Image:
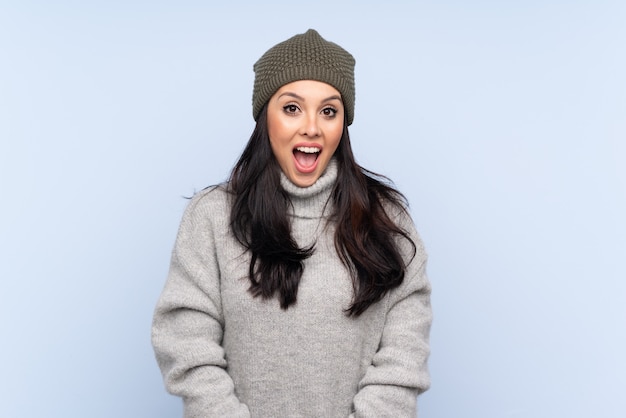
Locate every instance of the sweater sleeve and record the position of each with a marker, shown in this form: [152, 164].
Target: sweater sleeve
[398, 372]
[188, 323]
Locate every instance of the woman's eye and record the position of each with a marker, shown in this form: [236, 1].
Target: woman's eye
[290, 108]
[329, 111]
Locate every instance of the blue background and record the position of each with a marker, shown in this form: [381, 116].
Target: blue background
[504, 123]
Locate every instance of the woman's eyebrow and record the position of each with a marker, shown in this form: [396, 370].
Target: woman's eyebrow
[334, 97]
[290, 94]
[295, 96]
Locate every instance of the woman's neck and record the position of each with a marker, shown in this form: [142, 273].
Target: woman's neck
[312, 201]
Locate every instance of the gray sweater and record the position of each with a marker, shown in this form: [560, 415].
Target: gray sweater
[228, 354]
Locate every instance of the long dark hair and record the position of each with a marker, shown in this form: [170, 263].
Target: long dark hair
[365, 235]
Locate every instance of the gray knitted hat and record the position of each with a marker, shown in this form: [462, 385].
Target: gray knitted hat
[306, 56]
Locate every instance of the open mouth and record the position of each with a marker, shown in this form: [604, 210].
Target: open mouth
[306, 157]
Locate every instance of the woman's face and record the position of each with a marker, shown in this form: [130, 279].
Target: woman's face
[305, 124]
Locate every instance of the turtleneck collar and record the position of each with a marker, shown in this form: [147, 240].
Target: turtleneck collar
[313, 201]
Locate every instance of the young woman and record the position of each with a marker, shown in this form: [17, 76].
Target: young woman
[298, 287]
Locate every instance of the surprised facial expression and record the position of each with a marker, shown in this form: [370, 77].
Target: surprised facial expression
[305, 124]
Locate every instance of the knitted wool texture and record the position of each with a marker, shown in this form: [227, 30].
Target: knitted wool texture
[229, 354]
[306, 56]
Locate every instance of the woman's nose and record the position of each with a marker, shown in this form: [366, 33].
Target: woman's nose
[310, 126]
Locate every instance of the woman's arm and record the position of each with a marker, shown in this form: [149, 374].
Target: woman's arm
[188, 324]
[399, 371]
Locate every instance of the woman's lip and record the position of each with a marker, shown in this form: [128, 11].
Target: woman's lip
[300, 168]
[303, 169]
[308, 145]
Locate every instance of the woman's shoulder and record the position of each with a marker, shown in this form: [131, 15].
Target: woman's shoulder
[399, 212]
[396, 207]
[210, 202]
